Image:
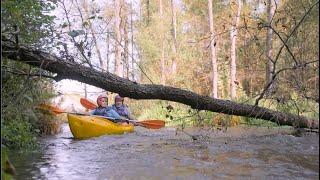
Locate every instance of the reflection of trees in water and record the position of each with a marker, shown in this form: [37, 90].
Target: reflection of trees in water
[23, 163]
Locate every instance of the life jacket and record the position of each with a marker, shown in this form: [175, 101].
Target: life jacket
[107, 112]
[121, 110]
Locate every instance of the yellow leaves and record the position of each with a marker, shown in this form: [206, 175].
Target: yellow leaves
[226, 120]
[234, 6]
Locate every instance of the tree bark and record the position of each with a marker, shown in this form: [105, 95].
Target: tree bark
[117, 63]
[148, 12]
[127, 88]
[233, 66]
[174, 37]
[213, 54]
[132, 41]
[126, 41]
[162, 36]
[108, 51]
[85, 91]
[269, 64]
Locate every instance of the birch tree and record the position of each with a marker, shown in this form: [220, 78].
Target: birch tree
[213, 53]
[269, 63]
[233, 35]
[132, 43]
[162, 61]
[117, 15]
[124, 26]
[174, 37]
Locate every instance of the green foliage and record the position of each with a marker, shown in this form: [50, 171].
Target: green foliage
[300, 106]
[258, 122]
[199, 8]
[30, 16]
[20, 95]
[173, 113]
[18, 133]
[153, 109]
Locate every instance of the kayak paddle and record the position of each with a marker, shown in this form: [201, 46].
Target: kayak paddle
[87, 104]
[150, 124]
[153, 123]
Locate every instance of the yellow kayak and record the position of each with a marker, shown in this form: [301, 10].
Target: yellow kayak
[83, 126]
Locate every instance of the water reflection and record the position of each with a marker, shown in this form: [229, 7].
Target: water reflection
[240, 153]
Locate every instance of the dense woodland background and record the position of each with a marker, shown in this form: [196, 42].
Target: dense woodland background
[255, 52]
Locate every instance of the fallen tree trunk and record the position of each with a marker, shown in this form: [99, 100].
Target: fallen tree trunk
[127, 88]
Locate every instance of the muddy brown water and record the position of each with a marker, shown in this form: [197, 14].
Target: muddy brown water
[238, 153]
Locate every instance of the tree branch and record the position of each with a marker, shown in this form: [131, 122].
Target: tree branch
[276, 74]
[127, 88]
[279, 53]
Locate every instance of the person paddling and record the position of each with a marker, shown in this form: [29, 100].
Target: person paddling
[104, 110]
[121, 108]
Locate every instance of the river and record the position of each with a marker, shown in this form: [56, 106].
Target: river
[238, 153]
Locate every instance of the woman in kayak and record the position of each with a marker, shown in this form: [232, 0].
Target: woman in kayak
[104, 110]
[121, 108]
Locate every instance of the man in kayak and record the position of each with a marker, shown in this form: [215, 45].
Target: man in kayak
[104, 110]
[121, 108]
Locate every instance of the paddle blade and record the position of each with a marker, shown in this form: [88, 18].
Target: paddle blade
[87, 104]
[159, 122]
[51, 108]
[152, 124]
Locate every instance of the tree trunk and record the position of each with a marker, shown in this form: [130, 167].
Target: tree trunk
[233, 66]
[213, 53]
[148, 12]
[85, 91]
[269, 64]
[126, 88]
[117, 64]
[132, 41]
[108, 60]
[246, 79]
[174, 38]
[126, 42]
[162, 61]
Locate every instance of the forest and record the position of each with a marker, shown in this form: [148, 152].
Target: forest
[218, 63]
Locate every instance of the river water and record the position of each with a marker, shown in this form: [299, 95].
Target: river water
[238, 153]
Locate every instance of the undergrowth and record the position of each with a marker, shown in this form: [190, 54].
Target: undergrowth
[176, 114]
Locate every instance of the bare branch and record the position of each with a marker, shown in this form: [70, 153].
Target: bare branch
[278, 55]
[276, 74]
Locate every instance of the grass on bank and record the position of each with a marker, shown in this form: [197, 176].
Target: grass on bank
[176, 114]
